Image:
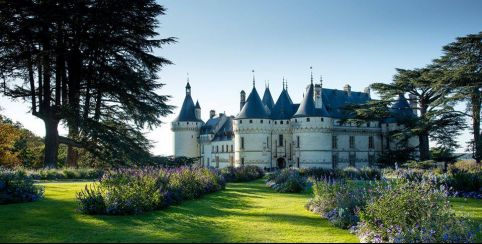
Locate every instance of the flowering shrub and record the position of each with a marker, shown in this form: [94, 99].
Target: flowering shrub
[411, 212]
[135, 191]
[338, 201]
[242, 174]
[459, 182]
[287, 180]
[16, 187]
[366, 173]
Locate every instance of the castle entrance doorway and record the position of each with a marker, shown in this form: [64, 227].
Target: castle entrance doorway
[281, 163]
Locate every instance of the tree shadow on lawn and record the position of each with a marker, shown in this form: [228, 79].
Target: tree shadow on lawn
[56, 220]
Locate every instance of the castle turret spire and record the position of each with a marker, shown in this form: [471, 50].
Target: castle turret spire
[254, 80]
[311, 70]
[188, 86]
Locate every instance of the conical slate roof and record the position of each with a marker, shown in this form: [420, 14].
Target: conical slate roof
[400, 110]
[283, 109]
[187, 112]
[307, 106]
[197, 104]
[253, 108]
[268, 99]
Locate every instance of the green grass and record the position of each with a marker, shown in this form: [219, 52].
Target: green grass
[244, 212]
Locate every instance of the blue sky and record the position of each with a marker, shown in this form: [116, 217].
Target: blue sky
[348, 42]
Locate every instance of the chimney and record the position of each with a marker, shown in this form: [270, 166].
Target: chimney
[347, 88]
[212, 113]
[412, 99]
[243, 100]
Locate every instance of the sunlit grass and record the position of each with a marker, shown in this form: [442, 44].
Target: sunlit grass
[244, 212]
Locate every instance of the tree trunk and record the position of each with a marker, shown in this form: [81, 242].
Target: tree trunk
[51, 142]
[475, 102]
[423, 139]
[72, 152]
[424, 147]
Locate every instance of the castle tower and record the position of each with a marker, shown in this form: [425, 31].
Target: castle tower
[186, 128]
[312, 133]
[281, 136]
[252, 131]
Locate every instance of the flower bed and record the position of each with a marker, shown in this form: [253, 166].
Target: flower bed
[287, 180]
[391, 211]
[134, 191]
[16, 187]
[242, 174]
[351, 173]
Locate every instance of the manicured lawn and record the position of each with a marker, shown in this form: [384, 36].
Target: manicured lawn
[244, 212]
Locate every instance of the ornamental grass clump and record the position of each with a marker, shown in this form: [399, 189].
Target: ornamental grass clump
[135, 191]
[17, 187]
[242, 174]
[411, 212]
[287, 181]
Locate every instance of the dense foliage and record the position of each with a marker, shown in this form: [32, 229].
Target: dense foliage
[338, 200]
[16, 187]
[287, 180]
[411, 212]
[464, 178]
[398, 210]
[242, 174]
[134, 191]
[351, 173]
[64, 174]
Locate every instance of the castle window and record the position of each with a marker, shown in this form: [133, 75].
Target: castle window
[281, 122]
[261, 121]
[202, 149]
[222, 148]
[371, 160]
[334, 161]
[242, 161]
[267, 142]
[280, 137]
[322, 119]
[232, 148]
[368, 124]
[334, 142]
[298, 141]
[240, 121]
[287, 122]
[296, 120]
[298, 162]
[307, 119]
[275, 122]
[187, 122]
[352, 160]
[250, 121]
[212, 149]
[352, 142]
[217, 148]
[371, 142]
[242, 142]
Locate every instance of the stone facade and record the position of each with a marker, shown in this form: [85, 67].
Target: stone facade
[284, 134]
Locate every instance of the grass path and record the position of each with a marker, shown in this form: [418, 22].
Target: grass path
[244, 212]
